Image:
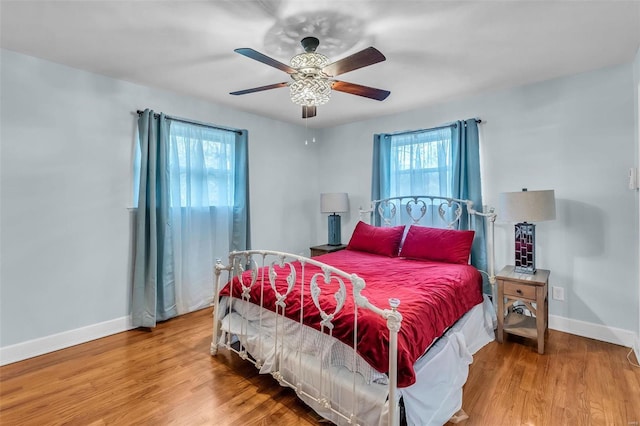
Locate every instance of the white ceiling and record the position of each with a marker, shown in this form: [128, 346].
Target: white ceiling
[436, 50]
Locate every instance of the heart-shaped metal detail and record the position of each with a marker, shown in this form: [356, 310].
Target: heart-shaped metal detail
[387, 211]
[246, 289]
[291, 280]
[451, 208]
[339, 295]
[418, 205]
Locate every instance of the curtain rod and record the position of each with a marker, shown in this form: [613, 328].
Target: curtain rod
[197, 123]
[444, 126]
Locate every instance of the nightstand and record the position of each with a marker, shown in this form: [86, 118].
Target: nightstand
[527, 289]
[324, 249]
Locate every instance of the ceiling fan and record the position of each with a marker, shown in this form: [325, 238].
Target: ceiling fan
[312, 75]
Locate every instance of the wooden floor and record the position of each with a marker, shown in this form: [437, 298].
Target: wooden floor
[167, 377]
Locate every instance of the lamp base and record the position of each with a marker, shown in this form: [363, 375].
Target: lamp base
[334, 230]
[524, 270]
[525, 248]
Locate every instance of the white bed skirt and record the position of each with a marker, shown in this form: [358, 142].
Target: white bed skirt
[443, 370]
[432, 400]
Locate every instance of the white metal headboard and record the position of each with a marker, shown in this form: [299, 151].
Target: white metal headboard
[437, 212]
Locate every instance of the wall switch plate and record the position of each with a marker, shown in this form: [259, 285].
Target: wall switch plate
[557, 293]
[633, 178]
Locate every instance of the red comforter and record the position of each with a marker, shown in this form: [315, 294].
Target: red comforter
[433, 297]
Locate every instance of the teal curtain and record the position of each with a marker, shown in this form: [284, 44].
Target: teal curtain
[241, 228]
[467, 184]
[193, 208]
[380, 183]
[153, 296]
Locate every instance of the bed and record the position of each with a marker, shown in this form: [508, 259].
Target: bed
[381, 333]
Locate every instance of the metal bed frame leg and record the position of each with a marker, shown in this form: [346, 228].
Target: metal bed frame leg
[219, 267]
[394, 320]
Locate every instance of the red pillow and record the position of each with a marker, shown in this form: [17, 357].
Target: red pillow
[376, 239]
[441, 245]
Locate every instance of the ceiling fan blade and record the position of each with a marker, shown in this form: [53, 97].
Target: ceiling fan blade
[356, 89]
[254, 54]
[363, 58]
[308, 111]
[259, 89]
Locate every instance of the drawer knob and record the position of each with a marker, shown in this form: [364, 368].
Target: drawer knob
[518, 291]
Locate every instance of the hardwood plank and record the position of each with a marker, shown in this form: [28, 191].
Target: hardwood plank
[577, 381]
[166, 376]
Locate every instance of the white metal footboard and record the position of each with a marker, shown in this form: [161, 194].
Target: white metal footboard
[264, 266]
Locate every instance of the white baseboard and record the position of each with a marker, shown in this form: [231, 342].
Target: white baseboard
[617, 336]
[32, 348]
[43, 345]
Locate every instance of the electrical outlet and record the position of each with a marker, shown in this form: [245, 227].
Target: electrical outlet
[557, 293]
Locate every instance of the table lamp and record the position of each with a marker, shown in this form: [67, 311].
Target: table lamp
[523, 208]
[335, 202]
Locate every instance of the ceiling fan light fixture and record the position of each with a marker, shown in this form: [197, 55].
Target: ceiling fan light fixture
[309, 60]
[313, 75]
[310, 86]
[310, 91]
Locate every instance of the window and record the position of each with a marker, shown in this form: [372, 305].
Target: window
[205, 163]
[421, 163]
[204, 160]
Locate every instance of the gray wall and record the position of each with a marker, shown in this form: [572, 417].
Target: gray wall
[574, 135]
[66, 160]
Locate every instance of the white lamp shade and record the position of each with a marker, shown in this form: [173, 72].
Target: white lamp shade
[527, 206]
[334, 202]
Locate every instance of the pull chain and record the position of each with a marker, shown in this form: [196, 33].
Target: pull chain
[306, 130]
[306, 127]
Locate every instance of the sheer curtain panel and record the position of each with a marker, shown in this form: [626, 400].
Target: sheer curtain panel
[203, 170]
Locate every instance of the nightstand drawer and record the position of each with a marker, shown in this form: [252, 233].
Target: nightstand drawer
[524, 291]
